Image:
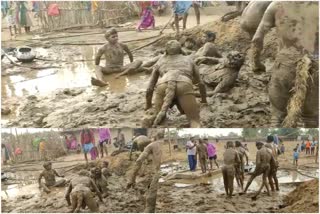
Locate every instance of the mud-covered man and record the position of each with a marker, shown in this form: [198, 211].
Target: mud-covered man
[49, 176]
[203, 155]
[105, 169]
[230, 161]
[242, 154]
[81, 195]
[154, 150]
[294, 86]
[113, 52]
[100, 181]
[139, 143]
[272, 148]
[223, 76]
[263, 161]
[172, 79]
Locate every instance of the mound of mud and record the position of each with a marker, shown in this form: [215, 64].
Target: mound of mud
[305, 198]
[230, 37]
[120, 164]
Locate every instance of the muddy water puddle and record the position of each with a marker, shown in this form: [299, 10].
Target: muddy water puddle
[70, 75]
[287, 181]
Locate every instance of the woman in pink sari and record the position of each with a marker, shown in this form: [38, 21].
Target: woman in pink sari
[147, 18]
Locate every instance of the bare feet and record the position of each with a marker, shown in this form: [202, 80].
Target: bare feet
[97, 82]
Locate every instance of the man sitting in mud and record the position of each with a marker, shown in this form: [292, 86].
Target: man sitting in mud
[230, 161]
[114, 52]
[81, 194]
[173, 77]
[100, 181]
[263, 161]
[223, 76]
[49, 175]
[154, 150]
[240, 170]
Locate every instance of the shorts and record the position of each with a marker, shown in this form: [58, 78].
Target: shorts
[213, 158]
[104, 141]
[87, 147]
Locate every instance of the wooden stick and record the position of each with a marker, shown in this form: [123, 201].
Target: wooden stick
[164, 27]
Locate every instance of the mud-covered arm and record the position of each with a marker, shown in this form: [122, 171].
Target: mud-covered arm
[39, 179]
[94, 186]
[56, 173]
[206, 60]
[267, 22]
[246, 155]
[152, 83]
[237, 159]
[127, 50]
[138, 164]
[99, 55]
[67, 196]
[258, 161]
[197, 79]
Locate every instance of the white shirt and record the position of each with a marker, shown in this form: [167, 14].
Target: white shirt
[191, 151]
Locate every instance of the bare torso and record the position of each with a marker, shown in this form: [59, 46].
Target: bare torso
[229, 157]
[298, 30]
[114, 55]
[202, 150]
[49, 177]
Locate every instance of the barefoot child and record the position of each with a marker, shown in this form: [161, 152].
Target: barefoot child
[295, 157]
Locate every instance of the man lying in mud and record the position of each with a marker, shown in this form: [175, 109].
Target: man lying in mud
[81, 194]
[223, 76]
[114, 52]
[203, 47]
[263, 161]
[230, 161]
[154, 150]
[172, 79]
[206, 46]
[49, 176]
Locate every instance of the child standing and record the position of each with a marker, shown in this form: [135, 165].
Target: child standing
[11, 20]
[295, 157]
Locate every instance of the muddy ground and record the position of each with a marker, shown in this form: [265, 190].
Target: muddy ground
[63, 97]
[193, 193]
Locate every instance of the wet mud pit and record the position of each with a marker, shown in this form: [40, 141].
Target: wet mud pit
[174, 195]
[64, 97]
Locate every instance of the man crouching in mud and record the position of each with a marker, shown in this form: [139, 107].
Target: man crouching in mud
[154, 150]
[175, 86]
[114, 52]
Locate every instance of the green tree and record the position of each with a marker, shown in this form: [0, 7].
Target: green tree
[314, 132]
[249, 133]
